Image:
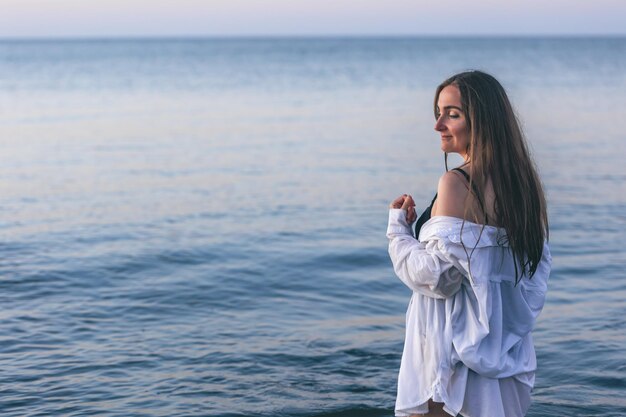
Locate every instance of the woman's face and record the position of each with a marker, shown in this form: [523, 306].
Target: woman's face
[451, 123]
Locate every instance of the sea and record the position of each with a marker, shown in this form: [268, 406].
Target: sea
[196, 227]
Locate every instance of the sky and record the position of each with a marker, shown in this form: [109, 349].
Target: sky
[165, 18]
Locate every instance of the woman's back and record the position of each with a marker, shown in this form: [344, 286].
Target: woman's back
[454, 190]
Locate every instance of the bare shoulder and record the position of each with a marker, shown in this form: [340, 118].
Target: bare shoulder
[451, 194]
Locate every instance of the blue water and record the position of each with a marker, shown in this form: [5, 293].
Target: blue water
[197, 227]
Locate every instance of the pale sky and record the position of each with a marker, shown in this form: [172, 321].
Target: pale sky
[148, 18]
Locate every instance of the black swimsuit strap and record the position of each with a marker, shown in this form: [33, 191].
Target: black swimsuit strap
[427, 213]
[465, 174]
[467, 177]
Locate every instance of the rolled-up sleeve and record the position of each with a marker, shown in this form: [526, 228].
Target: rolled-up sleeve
[420, 264]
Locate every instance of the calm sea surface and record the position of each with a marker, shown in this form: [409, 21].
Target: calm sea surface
[197, 227]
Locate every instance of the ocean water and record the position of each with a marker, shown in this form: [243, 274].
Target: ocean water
[197, 227]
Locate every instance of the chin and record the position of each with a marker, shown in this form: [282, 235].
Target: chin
[447, 148]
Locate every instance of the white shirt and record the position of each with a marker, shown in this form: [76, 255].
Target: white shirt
[468, 336]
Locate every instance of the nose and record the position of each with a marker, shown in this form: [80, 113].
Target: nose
[439, 125]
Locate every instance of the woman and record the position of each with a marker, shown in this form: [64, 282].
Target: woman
[479, 266]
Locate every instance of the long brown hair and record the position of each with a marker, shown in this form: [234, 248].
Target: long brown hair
[498, 150]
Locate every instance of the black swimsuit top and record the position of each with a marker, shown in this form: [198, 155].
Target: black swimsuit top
[426, 214]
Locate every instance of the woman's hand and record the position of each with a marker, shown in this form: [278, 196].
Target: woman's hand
[405, 202]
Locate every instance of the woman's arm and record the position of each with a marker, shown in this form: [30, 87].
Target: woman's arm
[420, 264]
[417, 263]
[452, 191]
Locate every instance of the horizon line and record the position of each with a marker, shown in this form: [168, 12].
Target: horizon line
[314, 36]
